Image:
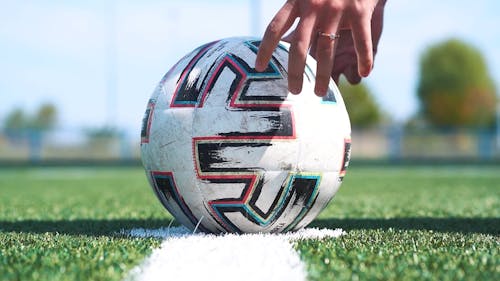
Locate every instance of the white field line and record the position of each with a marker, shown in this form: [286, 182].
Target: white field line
[186, 256]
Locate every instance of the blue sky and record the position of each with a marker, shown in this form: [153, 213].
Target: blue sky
[67, 52]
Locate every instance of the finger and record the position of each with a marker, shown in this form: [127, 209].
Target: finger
[352, 75]
[325, 54]
[361, 34]
[299, 49]
[281, 22]
[345, 54]
[324, 57]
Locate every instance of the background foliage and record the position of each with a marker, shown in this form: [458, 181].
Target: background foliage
[455, 88]
[363, 110]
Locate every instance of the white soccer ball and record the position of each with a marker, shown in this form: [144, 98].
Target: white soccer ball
[229, 149]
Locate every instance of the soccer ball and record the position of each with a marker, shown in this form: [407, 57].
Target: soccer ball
[229, 149]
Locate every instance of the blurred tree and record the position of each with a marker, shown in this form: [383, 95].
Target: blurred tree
[45, 118]
[21, 127]
[363, 110]
[102, 133]
[16, 120]
[455, 88]
[105, 140]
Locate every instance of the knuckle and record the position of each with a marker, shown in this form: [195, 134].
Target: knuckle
[273, 28]
[334, 6]
[316, 4]
[358, 9]
[302, 46]
[299, 48]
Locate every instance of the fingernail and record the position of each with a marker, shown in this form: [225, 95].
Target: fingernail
[294, 91]
[320, 92]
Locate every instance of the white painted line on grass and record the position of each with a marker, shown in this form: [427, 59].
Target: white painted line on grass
[186, 256]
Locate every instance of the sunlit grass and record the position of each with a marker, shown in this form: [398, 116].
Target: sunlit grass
[435, 223]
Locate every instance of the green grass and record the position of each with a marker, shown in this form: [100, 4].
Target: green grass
[436, 223]
[60, 223]
[411, 223]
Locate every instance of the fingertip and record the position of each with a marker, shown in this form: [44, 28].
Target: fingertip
[281, 22]
[321, 86]
[259, 66]
[352, 76]
[295, 83]
[320, 92]
[365, 63]
[294, 91]
[261, 61]
[354, 80]
[361, 34]
[365, 69]
[335, 75]
[265, 53]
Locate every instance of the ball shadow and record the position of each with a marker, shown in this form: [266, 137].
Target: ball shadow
[83, 227]
[489, 226]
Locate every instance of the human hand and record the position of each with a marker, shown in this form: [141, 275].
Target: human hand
[345, 61]
[359, 21]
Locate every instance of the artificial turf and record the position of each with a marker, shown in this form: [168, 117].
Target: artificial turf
[415, 222]
[411, 223]
[61, 223]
